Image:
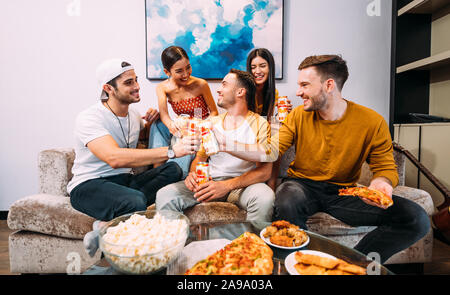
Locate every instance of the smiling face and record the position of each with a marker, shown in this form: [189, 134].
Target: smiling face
[311, 89]
[126, 89]
[180, 72]
[260, 70]
[227, 91]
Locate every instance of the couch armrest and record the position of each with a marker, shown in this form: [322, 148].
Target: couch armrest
[400, 161]
[416, 195]
[55, 171]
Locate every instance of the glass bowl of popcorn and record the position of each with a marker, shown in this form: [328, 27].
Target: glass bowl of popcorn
[144, 242]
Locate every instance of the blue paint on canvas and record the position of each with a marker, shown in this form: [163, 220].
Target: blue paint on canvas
[216, 37]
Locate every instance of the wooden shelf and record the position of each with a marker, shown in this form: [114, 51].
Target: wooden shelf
[435, 61]
[424, 6]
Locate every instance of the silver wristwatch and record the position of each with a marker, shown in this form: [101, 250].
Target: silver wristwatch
[170, 152]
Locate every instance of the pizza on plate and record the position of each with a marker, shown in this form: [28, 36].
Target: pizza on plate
[245, 255]
[373, 195]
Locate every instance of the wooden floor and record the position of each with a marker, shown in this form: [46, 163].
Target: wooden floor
[440, 264]
[4, 255]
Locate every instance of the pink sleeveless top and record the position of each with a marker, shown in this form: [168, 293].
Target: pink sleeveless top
[194, 107]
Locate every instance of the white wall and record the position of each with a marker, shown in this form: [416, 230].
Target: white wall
[48, 61]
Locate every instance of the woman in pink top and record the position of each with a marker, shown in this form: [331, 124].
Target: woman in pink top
[186, 94]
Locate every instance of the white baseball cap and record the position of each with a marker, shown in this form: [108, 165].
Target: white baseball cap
[110, 69]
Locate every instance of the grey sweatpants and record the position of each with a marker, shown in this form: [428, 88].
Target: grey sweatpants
[257, 199]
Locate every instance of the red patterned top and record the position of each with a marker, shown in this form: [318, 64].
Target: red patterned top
[194, 107]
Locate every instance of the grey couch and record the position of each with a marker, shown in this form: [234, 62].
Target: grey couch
[48, 232]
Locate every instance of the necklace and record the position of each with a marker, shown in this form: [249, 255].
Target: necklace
[127, 141]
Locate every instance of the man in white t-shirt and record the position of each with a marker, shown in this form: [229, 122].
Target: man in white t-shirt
[239, 181]
[103, 185]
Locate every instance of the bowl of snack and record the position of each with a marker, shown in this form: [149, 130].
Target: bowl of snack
[144, 242]
[282, 234]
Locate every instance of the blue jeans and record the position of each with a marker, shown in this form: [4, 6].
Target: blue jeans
[160, 136]
[398, 226]
[108, 197]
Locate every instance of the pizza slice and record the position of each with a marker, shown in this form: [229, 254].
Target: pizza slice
[373, 195]
[245, 255]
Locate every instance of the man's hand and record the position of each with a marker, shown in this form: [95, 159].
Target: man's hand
[272, 183]
[212, 190]
[187, 145]
[381, 184]
[151, 116]
[191, 182]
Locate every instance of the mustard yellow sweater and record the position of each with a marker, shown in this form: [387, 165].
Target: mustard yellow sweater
[334, 151]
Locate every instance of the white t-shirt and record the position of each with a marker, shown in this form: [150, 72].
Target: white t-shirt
[253, 129]
[95, 122]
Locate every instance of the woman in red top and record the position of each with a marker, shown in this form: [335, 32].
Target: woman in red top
[186, 94]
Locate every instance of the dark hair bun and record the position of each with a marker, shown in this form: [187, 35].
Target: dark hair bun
[171, 55]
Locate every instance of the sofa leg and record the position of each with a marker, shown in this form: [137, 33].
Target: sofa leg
[406, 268]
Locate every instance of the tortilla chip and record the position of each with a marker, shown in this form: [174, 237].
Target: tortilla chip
[316, 260]
[308, 269]
[345, 266]
[337, 272]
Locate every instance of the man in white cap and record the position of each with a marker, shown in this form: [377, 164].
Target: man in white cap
[103, 185]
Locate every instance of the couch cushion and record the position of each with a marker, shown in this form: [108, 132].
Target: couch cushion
[37, 253]
[215, 212]
[49, 214]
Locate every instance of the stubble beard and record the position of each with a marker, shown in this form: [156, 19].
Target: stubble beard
[125, 99]
[317, 103]
[224, 105]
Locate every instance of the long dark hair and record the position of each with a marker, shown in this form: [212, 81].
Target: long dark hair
[171, 55]
[269, 86]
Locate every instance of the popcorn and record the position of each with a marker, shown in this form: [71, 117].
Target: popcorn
[140, 245]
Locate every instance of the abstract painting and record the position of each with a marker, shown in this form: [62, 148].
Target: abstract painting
[216, 34]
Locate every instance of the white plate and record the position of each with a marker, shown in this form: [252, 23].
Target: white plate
[290, 261]
[261, 234]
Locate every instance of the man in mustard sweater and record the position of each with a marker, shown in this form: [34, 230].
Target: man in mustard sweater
[332, 138]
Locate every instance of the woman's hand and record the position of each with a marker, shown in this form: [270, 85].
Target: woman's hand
[288, 104]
